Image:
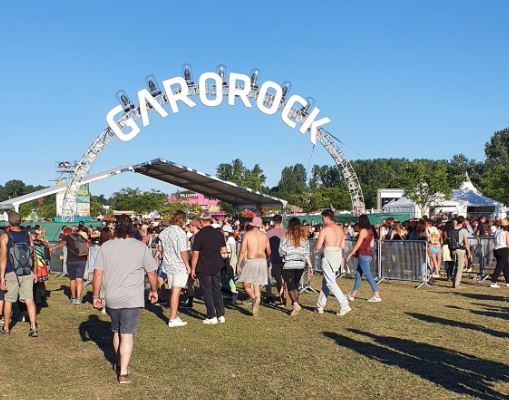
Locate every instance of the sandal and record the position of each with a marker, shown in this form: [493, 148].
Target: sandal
[3, 332]
[124, 379]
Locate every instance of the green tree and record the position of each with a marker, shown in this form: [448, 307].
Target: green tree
[425, 182]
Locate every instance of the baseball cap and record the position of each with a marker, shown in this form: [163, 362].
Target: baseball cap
[256, 222]
[13, 217]
[205, 216]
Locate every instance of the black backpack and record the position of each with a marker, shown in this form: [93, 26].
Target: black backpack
[21, 256]
[454, 240]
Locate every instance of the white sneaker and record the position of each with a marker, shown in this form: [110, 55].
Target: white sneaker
[344, 311]
[221, 319]
[174, 323]
[319, 310]
[494, 286]
[435, 275]
[350, 297]
[375, 299]
[210, 321]
[507, 284]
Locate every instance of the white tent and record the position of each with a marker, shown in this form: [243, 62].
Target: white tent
[402, 205]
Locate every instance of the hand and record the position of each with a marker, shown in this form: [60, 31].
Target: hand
[347, 258]
[35, 278]
[153, 297]
[98, 303]
[2, 284]
[311, 272]
[193, 274]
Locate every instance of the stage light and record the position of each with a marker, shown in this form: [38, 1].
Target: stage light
[255, 73]
[309, 106]
[152, 85]
[286, 86]
[123, 99]
[221, 71]
[187, 71]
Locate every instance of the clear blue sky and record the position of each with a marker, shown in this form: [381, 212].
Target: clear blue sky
[397, 78]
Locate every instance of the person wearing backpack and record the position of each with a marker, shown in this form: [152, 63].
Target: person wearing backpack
[77, 255]
[460, 249]
[17, 272]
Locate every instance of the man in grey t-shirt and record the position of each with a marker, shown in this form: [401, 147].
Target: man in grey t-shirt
[120, 268]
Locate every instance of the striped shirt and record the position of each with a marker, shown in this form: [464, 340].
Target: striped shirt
[293, 257]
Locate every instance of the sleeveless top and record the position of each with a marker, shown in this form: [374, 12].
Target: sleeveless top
[19, 237]
[365, 249]
[500, 240]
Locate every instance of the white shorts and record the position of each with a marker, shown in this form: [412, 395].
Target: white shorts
[177, 280]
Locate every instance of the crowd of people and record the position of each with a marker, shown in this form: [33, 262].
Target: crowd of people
[124, 260]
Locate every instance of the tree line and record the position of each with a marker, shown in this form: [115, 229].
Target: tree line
[323, 186]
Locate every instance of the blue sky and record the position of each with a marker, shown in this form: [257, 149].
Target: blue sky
[397, 78]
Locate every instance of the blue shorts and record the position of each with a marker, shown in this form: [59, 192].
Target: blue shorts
[124, 320]
[434, 249]
[76, 269]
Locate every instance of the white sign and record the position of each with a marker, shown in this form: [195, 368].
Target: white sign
[176, 92]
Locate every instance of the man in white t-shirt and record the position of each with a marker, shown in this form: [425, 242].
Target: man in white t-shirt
[175, 251]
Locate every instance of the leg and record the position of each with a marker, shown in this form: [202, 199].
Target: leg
[257, 291]
[125, 352]
[268, 288]
[31, 313]
[358, 281]
[250, 291]
[72, 287]
[79, 288]
[206, 286]
[364, 264]
[330, 278]
[291, 285]
[322, 297]
[174, 302]
[217, 295]
[499, 267]
[7, 315]
[116, 344]
[460, 263]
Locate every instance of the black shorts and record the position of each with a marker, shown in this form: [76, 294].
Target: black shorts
[292, 278]
[2, 295]
[76, 269]
[124, 320]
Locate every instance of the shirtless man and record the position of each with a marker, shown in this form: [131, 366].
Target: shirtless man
[254, 251]
[332, 240]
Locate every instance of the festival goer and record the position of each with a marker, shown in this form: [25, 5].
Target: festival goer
[175, 263]
[120, 268]
[275, 235]
[460, 248]
[501, 253]
[77, 255]
[231, 261]
[332, 240]
[17, 275]
[194, 228]
[434, 246]
[207, 262]
[483, 232]
[253, 272]
[294, 250]
[363, 251]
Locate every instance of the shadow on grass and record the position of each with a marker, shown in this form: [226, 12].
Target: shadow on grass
[458, 372]
[489, 311]
[98, 331]
[459, 324]
[479, 296]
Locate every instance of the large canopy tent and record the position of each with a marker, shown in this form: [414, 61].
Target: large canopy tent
[210, 186]
[402, 205]
[178, 175]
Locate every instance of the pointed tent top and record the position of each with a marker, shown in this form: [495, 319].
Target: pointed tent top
[467, 184]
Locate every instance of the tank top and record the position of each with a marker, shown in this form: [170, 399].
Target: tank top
[365, 248]
[19, 237]
[500, 240]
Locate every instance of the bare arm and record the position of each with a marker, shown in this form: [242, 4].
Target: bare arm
[362, 235]
[268, 250]
[194, 262]
[185, 259]
[3, 260]
[321, 240]
[467, 246]
[243, 250]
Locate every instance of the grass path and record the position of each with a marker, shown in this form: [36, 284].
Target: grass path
[417, 344]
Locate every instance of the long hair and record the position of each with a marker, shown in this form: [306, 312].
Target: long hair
[105, 235]
[179, 218]
[124, 227]
[364, 222]
[295, 233]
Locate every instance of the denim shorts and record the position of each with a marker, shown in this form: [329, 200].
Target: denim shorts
[124, 320]
[76, 269]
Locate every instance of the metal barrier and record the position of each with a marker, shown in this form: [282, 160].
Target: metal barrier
[404, 260]
[350, 267]
[57, 261]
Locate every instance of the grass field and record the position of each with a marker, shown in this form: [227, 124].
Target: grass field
[418, 344]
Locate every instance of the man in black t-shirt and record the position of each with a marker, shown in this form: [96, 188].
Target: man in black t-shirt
[209, 251]
[483, 231]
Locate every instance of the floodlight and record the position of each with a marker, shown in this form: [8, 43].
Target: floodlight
[255, 73]
[286, 86]
[123, 99]
[153, 86]
[187, 71]
[221, 71]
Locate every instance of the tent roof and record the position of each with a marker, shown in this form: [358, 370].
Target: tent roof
[401, 202]
[469, 195]
[207, 185]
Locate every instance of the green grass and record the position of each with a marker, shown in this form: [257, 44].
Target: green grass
[418, 344]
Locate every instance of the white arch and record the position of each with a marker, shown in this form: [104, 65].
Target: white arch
[305, 116]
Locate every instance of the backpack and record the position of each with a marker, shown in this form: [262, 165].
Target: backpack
[454, 241]
[79, 245]
[21, 256]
